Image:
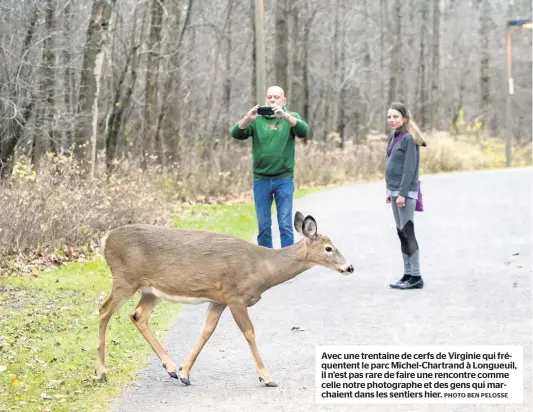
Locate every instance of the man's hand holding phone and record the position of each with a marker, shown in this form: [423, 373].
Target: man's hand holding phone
[274, 111]
[249, 118]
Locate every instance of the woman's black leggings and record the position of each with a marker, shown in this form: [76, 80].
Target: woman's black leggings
[404, 217]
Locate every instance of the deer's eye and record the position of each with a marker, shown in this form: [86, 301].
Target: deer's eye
[329, 249]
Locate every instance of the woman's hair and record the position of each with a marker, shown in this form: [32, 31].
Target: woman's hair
[409, 125]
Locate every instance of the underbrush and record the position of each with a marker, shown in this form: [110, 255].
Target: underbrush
[55, 215]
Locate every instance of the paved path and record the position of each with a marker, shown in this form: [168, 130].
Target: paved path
[475, 241]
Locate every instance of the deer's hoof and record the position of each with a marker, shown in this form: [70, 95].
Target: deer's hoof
[101, 374]
[270, 384]
[173, 375]
[184, 380]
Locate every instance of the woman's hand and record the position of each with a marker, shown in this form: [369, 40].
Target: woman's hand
[400, 201]
[388, 200]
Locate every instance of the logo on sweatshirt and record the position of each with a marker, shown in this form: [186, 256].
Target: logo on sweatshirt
[274, 126]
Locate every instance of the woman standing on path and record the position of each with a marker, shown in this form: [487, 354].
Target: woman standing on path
[403, 189]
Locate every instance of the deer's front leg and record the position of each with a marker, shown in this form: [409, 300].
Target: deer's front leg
[240, 314]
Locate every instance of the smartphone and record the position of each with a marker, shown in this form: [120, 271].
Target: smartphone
[265, 111]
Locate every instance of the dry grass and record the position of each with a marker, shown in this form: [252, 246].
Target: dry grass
[58, 212]
[446, 154]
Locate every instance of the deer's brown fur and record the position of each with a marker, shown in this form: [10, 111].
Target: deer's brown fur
[192, 266]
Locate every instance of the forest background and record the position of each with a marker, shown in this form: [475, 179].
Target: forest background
[114, 112]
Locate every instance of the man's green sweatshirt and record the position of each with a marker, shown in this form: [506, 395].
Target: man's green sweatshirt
[273, 141]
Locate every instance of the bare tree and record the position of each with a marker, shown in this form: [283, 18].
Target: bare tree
[341, 120]
[296, 86]
[18, 105]
[484, 65]
[43, 139]
[306, 103]
[173, 82]
[434, 118]
[253, 77]
[68, 78]
[282, 44]
[396, 70]
[177, 72]
[383, 40]
[331, 92]
[152, 142]
[90, 79]
[228, 70]
[422, 67]
[121, 102]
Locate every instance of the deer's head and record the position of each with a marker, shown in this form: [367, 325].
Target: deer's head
[320, 249]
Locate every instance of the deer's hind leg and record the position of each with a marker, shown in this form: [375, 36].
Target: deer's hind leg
[140, 317]
[119, 294]
[211, 321]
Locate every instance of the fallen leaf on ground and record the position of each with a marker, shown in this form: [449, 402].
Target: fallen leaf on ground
[298, 329]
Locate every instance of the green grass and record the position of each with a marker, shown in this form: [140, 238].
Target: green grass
[49, 326]
[236, 220]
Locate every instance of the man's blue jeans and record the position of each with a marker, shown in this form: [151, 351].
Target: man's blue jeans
[282, 191]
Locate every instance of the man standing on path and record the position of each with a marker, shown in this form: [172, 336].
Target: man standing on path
[273, 155]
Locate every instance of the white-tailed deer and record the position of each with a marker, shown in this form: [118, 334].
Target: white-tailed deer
[193, 267]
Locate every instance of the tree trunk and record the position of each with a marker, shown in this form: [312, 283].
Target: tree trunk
[330, 115]
[213, 83]
[484, 66]
[152, 145]
[434, 117]
[16, 123]
[296, 91]
[396, 86]
[49, 77]
[174, 81]
[399, 53]
[226, 99]
[119, 107]
[68, 80]
[90, 77]
[306, 77]
[43, 140]
[367, 67]
[383, 39]
[341, 123]
[253, 78]
[281, 58]
[422, 70]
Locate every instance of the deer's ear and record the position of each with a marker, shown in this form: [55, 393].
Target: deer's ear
[298, 222]
[309, 227]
